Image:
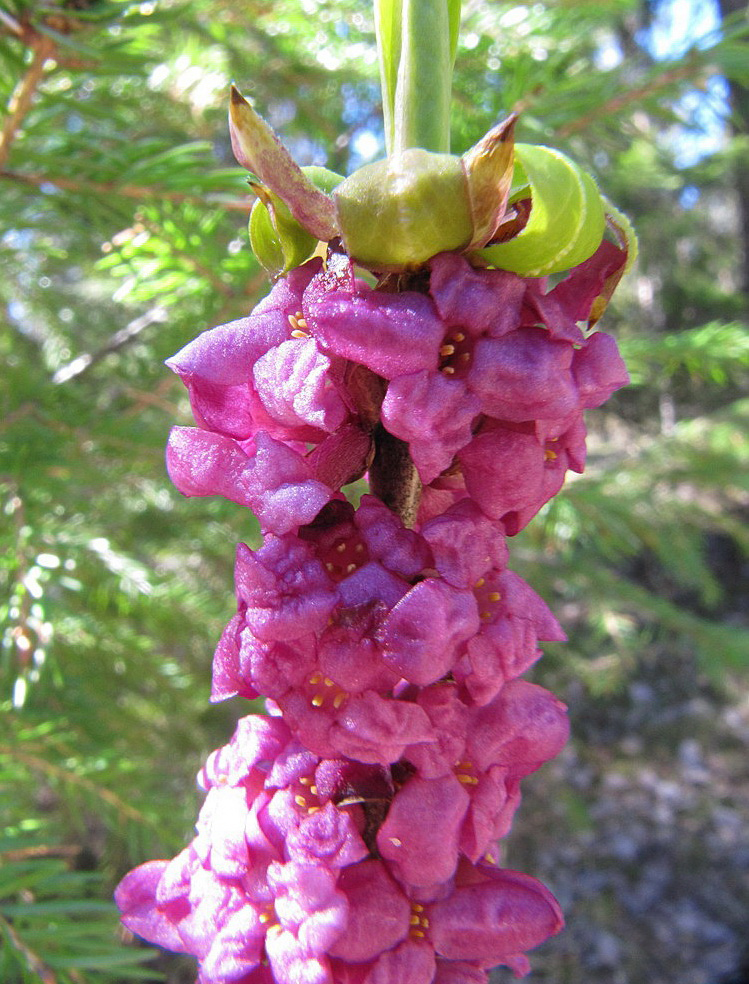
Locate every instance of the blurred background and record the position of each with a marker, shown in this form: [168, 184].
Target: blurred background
[123, 235]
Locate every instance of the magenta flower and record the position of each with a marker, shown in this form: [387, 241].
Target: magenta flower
[279, 876]
[266, 374]
[352, 836]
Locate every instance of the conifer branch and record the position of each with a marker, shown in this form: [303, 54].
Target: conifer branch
[86, 187]
[636, 95]
[23, 95]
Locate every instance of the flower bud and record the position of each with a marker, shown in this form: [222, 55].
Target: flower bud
[399, 212]
[278, 241]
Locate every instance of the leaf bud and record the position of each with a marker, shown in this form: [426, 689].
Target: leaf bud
[567, 216]
[278, 241]
[397, 213]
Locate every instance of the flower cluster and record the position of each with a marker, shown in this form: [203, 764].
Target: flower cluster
[351, 837]
[283, 881]
[485, 375]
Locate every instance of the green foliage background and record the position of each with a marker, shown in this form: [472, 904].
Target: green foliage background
[122, 235]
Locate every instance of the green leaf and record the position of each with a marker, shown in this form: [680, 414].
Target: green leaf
[567, 217]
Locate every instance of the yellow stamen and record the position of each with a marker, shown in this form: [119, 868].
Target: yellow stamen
[418, 932]
[315, 679]
[317, 701]
[459, 336]
[396, 841]
[447, 350]
[300, 801]
[495, 596]
[466, 779]
[417, 907]
[298, 333]
[338, 700]
[341, 548]
[328, 682]
[302, 322]
[415, 920]
[448, 371]
[313, 789]
[481, 582]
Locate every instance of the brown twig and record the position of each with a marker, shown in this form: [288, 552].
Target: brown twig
[113, 188]
[614, 105]
[34, 962]
[43, 48]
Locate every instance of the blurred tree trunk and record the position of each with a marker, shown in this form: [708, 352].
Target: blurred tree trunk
[740, 122]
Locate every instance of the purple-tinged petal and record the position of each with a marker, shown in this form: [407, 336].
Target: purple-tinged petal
[578, 291]
[494, 801]
[424, 631]
[434, 414]
[504, 471]
[276, 483]
[391, 334]
[349, 653]
[398, 549]
[308, 903]
[217, 366]
[294, 384]
[546, 310]
[273, 667]
[292, 963]
[257, 739]
[523, 727]
[410, 962]
[420, 835]
[372, 583]
[342, 457]
[465, 544]
[480, 301]
[374, 729]
[136, 899]
[494, 920]
[329, 836]
[285, 588]
[222, 824]
[523, 376]
[379, 913]
[227, 678]
[212, 902]
[449, 716]
[599, 370]
[236, 950]
[458, 972]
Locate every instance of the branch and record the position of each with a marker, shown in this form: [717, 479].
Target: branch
[111, 187]
[23, 95]
[617, 103]
[33, 962]
[120, 338]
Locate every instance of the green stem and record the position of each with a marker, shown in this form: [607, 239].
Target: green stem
[422, 96]
[416, 41]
